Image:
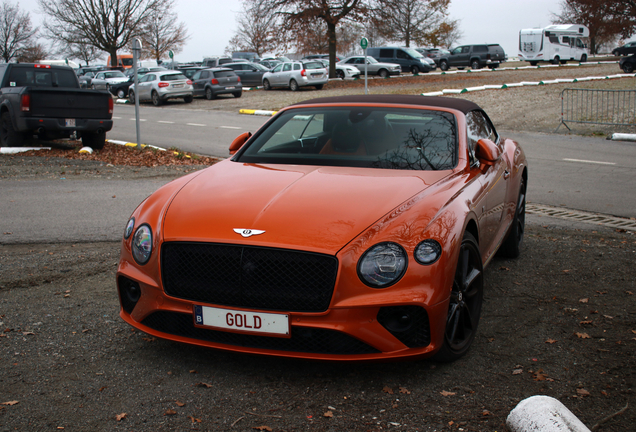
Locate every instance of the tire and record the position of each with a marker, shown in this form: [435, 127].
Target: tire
[533, 63]
[563, 61]
[475, 64]
[464, 308]
[511, 247]
[188, 99]
[319, 86]
[293, 85]
[121, 94]
[237, 94]
[340, 74]
[9, 137]
[583, 58]
[443, 65]
[209, 94]
[556, 60]
[383, 73]
[95, 141]
[131, 96]
[628, 67]
[415, 70]
[267, 85]
[156, 100]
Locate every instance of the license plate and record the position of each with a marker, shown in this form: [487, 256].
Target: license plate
[70, 122]
[271, 324]
[177, 85]
[316, 75]
[229, 88]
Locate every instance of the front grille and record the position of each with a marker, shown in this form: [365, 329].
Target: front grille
[306, 340]
[249, 277]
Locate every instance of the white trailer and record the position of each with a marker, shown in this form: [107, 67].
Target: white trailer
[555, 44]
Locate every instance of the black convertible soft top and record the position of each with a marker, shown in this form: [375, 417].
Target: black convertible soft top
[462, 105]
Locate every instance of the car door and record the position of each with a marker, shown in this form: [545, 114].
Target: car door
[459, 56]
[495, 183]
[286, 74]
[198, 82]
[145, 86]
[274, 77]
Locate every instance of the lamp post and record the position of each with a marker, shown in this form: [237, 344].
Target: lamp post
[136, 49]
[364, 43]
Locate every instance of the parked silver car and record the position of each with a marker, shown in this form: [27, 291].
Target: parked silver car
[374, 67]
[342, 71]
[296, 74]
[160, 86]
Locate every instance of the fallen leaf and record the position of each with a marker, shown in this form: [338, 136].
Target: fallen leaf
[608, 316]
[445, 393]
[202, 384]
[603, 392]
[150, 339]
[194, 420]
[450, 423]
[582, 392]
[102, 388]
[180, 404]
[10, 403]
[120, 417]
[28, 333]
[193, 371]
[486, 413]
[388, 390]
[583, 300]
[634, 331]
[539, 375]
[566, 271]
[170, 412]
[517, 371]
[586, 322]
[550, 341]
[404, 391]
[328, 414]
[263, 428]
[583, 335]
[504, 268]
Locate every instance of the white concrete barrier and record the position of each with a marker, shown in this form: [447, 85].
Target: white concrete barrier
[623, 137]
[543, 414]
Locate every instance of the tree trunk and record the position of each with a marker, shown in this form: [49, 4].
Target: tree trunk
[331, 37]
[113, 57]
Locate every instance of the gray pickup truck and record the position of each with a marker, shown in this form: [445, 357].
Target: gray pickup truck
[473, 56]
[46, 102]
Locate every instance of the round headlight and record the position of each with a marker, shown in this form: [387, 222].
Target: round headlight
[142, 244]
[427, 252]
[129, 228]
[382, 265]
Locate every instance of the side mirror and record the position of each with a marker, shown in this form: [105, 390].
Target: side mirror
[239, 141]
[487, 151]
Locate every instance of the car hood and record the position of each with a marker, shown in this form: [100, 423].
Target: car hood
[314, 208]
[389, 65]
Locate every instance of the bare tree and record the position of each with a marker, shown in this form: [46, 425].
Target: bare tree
[259, 30]
[161, 32]
[409, 20]
[105, 24]
[16, 32]
[299, 13]
[32, 54]
[82, 51]
[445, 35]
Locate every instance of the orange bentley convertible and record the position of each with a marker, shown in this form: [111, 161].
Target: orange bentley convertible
[345, 228]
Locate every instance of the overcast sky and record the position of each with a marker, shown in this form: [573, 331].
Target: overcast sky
[211, 23]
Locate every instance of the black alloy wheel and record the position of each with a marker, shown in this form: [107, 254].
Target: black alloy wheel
[340, 74]
[466, 298]
[415, 70]
[628, 67]
[209, 94]
[511, 247]
[156, 100]
[443, 65]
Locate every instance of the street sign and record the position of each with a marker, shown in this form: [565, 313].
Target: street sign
[364, 43]
[170, 54]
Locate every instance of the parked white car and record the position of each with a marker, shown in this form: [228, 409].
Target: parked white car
[160, 86]
[296, 74]
[109, 78]
[374, 67]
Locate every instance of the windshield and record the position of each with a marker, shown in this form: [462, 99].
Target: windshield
[173, 77]
[115, 74]
[386, 138]
[371, 60]
[413, 53]
[259, 67]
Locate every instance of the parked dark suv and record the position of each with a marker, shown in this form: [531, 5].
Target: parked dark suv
[409, 59]
[473, 56]
[628, 48]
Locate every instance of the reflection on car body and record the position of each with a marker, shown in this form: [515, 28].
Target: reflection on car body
[345, 228]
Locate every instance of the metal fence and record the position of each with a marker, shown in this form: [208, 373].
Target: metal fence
[602, 107]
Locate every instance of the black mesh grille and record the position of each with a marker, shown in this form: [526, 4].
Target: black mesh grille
[409, 324]
[307, 340]
[251, 277]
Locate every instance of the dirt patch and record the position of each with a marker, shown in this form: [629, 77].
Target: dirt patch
[559, 321]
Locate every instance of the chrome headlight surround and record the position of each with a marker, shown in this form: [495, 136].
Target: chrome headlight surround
[141, 244]
[130, 226]
[382, 265]
[427, 252]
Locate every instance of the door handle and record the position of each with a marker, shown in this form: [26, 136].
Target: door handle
[506, 174]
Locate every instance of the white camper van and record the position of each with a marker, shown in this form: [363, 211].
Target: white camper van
[555, 43]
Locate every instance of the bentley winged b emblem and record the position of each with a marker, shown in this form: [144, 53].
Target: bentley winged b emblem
[248, 232]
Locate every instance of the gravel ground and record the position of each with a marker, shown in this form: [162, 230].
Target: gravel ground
[558, 321]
